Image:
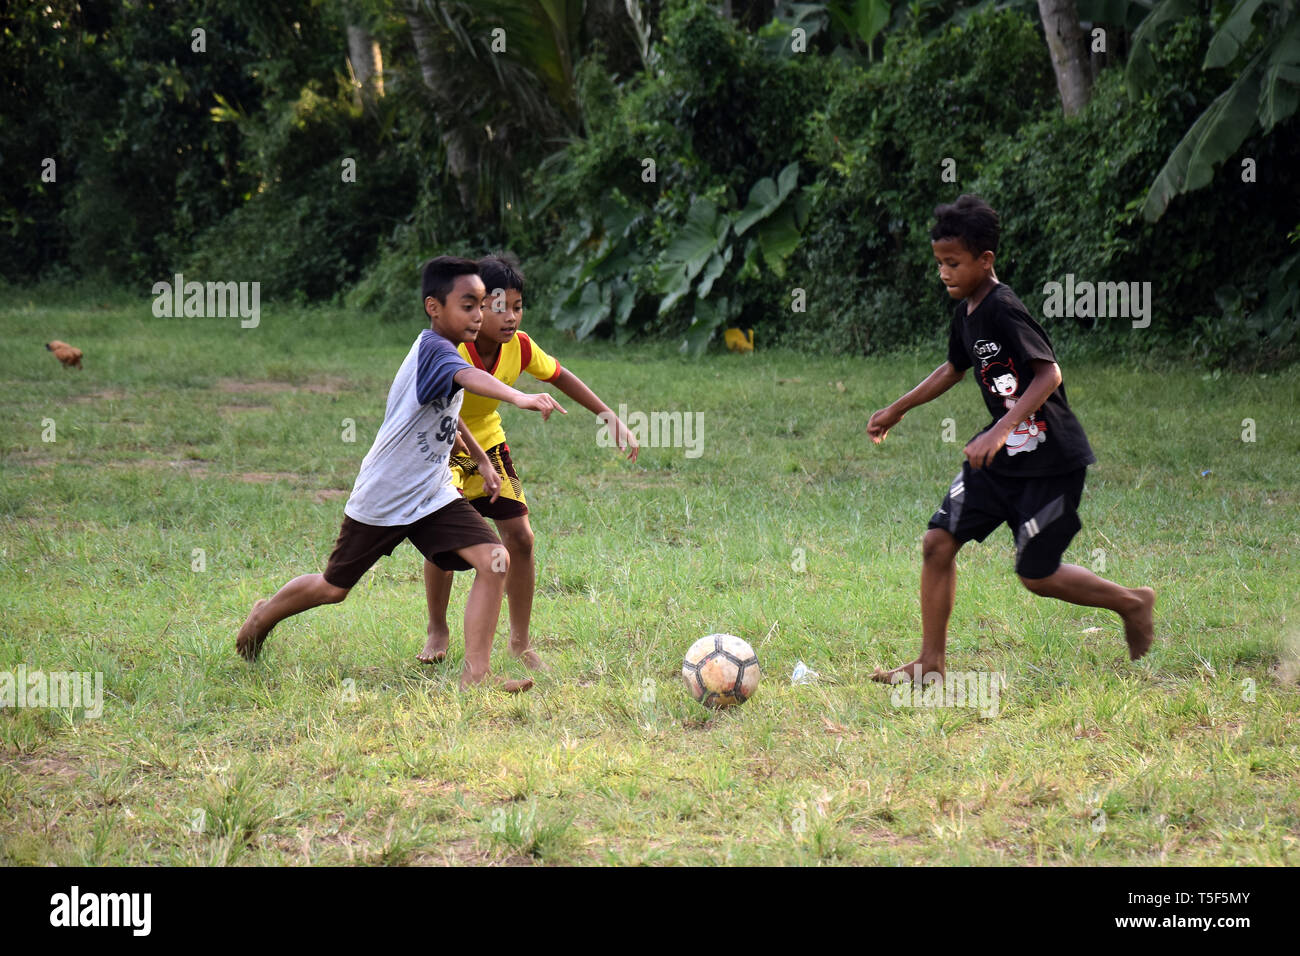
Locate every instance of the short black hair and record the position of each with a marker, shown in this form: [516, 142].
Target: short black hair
[501, 272]
[969, 219]
[439, 275]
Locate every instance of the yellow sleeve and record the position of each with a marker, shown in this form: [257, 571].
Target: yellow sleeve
[539, 365]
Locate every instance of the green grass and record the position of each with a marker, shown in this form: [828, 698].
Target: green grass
[336, 747]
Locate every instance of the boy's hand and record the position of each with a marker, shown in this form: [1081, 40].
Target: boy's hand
[491, 480]
[983, 447]
[881, 422]
[540, 402]
[626, 441]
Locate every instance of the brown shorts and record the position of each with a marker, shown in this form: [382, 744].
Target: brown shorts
[437, 536]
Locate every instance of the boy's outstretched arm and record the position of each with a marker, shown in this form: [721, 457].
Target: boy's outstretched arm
[577, 390]
[491, 480]
[935, 384]
[481, 383]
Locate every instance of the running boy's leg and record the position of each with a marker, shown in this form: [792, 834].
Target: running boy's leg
[971, 511]
[356, 550]
[1046, 522]
[938, 593]
[521, 581]
[520, 584]
[437, 592]
[456, 536]
[1135, 606]
[483, 608]
[301, 594]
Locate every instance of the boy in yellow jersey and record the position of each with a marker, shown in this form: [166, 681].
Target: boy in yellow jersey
[505, 352]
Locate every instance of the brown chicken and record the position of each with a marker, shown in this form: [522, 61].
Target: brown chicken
[65, 353]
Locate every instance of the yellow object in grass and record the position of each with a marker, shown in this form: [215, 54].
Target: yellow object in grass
[739, 340]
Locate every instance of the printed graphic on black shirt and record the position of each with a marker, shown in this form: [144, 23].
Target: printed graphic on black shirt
[999, 377]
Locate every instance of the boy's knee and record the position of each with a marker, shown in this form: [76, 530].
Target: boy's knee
[331, 594]
[497, 561]
[1040, 586]
[938, 546]
[519, 543]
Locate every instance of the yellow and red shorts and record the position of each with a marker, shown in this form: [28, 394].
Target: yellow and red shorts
[465, 476]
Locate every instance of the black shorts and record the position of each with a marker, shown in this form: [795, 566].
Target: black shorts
[1043, 514]
[437, 536]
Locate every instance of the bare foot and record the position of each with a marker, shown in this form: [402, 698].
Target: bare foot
[918, 672]
[1139, 627]
[435, 648]
[530, 659]
[509, 686]
[251, 635]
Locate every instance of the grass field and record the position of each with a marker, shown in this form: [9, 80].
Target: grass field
[191, 444]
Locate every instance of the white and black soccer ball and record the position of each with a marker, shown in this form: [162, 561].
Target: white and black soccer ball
[721, 670]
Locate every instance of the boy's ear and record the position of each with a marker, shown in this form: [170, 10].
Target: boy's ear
[987, 257]
[431, 306]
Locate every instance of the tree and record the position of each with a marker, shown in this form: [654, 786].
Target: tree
[460, 163]
[502, 78]
[1069, 60]
[367, 62]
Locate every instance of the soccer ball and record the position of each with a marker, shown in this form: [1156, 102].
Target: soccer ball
[720, 670]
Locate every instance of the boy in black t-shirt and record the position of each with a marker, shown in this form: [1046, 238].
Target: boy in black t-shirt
[1025, 469]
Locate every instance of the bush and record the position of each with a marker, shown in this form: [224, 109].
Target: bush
[882, 144]
[1070, 190]
[115, 94]
[308, 234]
[671, 253]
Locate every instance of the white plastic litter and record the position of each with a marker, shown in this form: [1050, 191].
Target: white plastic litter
[803, 675]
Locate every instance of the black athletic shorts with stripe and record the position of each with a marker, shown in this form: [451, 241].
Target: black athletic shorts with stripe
[1043, 514]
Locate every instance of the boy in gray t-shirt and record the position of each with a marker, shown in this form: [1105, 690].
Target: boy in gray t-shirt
[404, 488]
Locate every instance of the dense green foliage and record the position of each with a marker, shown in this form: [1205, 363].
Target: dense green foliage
[884, 141]
[120, 103]
[1063, 215]
[667, 174]
[226, 160]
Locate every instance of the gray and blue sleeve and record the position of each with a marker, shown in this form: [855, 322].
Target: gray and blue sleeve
[435, 370]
